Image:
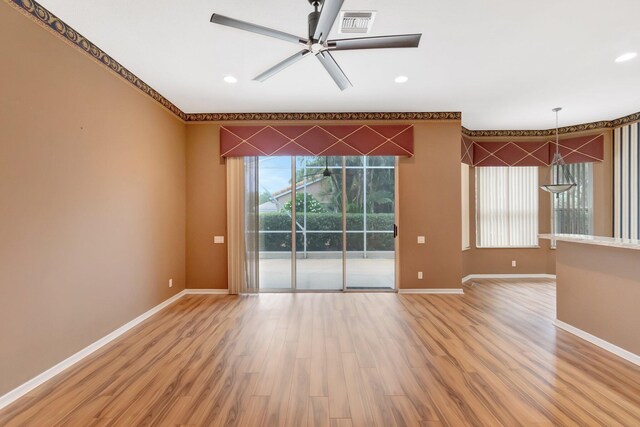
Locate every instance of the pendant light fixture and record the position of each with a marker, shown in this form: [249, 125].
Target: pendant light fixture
[560, 176]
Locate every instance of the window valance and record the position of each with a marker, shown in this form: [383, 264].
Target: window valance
[580, 149]
[317, 140]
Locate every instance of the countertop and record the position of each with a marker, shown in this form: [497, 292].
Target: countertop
[613, 242]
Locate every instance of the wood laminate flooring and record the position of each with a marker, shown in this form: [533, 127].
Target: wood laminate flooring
[490, 357]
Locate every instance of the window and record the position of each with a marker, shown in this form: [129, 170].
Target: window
[506, 207]
[464, 177]
[573, 209]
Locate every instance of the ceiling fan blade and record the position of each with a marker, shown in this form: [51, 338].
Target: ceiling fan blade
[282, 65]
[334, 70]
[328, 15]
[258, 29]
[381, 42]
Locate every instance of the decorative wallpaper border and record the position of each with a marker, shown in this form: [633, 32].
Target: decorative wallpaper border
[42, 16]
[604, 124]
[215, 117]
[626, 120]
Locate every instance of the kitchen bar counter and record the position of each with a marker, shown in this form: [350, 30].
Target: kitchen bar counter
[612, 242]
[598, 291]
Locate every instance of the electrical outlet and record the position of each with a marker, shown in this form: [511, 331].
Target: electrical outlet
[218, 239]
[420, 275]
[171, 283]
[421, 240]
[513, 263]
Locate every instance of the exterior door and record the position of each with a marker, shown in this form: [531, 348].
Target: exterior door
[340, 212]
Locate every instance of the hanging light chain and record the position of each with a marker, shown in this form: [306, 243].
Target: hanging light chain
[557, 110]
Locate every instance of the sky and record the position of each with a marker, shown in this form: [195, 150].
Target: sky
[275, 173]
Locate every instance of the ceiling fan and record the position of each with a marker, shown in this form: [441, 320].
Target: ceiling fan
[320, 24]
[326, 173]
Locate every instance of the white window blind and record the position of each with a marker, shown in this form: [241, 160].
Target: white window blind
[506, 207]
[626, 181]
[573, 209]
[464, 178]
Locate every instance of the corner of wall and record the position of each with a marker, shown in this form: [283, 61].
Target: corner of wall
[206, 207]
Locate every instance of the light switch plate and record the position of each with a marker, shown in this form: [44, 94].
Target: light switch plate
[218, 239]
[421, 240]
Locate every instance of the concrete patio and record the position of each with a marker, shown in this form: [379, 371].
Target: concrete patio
[326, 273]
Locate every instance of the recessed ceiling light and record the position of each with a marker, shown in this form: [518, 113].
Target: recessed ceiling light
[401, 79]
[230, 79]
[626, 57]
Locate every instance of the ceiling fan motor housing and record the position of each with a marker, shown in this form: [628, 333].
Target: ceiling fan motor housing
[314, 17]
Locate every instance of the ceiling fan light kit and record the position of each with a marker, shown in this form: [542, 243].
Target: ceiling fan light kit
[317, 43]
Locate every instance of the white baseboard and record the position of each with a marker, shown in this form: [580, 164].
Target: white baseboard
[72, 360]
[206, 291]
[445, 291]
[618, 351]
[508, 276]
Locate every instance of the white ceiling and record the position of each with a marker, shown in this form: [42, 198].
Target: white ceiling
[503, 63]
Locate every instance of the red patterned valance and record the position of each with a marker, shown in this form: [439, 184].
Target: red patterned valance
[579, 149]
[316, 140]
[467, 151]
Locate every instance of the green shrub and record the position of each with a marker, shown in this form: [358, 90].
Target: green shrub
[313, 205]
[278, 221]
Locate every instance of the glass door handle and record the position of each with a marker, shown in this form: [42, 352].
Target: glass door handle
[395, 231]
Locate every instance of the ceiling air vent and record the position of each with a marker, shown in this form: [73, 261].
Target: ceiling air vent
[352, 22]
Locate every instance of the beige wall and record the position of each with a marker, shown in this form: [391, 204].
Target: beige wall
[430, 205]
[429, 196]
[206, 208]
[541, 260]
[598, 292]
[92, 201]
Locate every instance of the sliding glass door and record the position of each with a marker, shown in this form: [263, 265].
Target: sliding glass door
[319, 236]
[342, 213]
[370, 225]
[274, 219]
